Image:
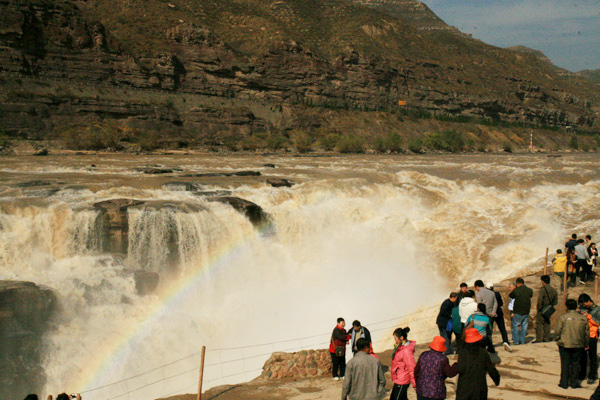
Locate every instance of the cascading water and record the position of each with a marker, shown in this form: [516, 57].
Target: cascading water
[359, 238]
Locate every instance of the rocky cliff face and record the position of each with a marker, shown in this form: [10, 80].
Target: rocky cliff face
[62, 64]
[25, 310]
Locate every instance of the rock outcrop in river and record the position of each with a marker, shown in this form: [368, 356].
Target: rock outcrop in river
[25, 311]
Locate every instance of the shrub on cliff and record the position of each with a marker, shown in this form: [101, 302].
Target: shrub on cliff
[350, 144]
[389, 142]
[303, 143]
[329, 141]
[450, 140]
[93, 137]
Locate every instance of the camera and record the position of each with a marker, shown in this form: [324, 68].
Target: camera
[73, 396]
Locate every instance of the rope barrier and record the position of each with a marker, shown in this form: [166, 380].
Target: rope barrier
[303, 341]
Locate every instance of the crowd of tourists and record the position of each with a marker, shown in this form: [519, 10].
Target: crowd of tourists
[465, 323]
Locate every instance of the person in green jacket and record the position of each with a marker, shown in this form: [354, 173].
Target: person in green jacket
[520, 319]
[572, 335]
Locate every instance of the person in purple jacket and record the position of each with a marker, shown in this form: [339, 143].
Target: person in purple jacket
[432, 370]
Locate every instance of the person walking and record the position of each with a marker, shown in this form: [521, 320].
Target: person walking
[337, 349]
[365, 379]
[432, 370]
[520, 317]
[444, 320]
[547, 299]
[467, 306]
[473, 365]
[572, 335]
[356, 332]
[590, 357]
[559, 265]
[403, 364]
[483, 324]
[499, 319]
[581, 252]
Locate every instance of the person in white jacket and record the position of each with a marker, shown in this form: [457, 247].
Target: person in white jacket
[467, 306]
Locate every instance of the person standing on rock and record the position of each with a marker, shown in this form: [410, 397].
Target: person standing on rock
[337, 349]
[444, 320]
[520, 320]
[592, 312]
[559, 264]
[403, 364]
[547, 299]
[499, 319]
[474, 363]
[432, 370]
[356, 332]
[572, 335]
[365, 378]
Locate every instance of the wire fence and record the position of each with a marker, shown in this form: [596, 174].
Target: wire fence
[243, 363]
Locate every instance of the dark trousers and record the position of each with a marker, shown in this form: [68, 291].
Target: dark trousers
[569, 366]
[447, 335]
[573, 275]
[487, 342]
[499, 319]
[339, 365]
[591, 356]
[585, 270]
[400, 392]
[426, 398]
[542, 329]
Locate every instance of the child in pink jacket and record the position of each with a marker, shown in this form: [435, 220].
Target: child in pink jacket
[403, 365]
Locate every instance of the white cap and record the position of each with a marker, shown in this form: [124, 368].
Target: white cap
[490, 285]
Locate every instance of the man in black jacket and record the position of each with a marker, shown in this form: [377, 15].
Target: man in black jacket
[444, 317]
[522, 295]
[356, 332]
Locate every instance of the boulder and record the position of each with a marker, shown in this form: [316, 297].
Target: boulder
[280, 182]
[155, 170]
[41, 152]
[182, 186]
[269, 165]
[253, 211]
[223, 174]
[25, 310]
[146, 282]
[296, 365]
[114, 223]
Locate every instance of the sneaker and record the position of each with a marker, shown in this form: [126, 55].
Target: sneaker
[336, 378]
[507, 346]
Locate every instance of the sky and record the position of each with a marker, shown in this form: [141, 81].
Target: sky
[567, 31]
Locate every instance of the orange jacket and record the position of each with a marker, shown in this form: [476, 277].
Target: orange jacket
[593, 326]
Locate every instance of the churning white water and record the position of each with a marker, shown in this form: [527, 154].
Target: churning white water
[368, 238]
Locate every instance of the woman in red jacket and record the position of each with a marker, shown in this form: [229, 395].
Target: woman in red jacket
[403, 364]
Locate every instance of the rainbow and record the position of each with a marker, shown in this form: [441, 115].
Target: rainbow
[168, 297]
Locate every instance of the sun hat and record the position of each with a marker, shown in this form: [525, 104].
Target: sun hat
[438, 344]
[490, 285]
[472, 335]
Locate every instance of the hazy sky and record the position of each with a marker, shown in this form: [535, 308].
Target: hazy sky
[567, 31]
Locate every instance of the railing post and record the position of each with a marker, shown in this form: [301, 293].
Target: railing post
[595, 288]
[565, 284]
[546, 263]
[201, 373]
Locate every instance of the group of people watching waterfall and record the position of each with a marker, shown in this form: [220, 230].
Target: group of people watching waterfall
[465, 323]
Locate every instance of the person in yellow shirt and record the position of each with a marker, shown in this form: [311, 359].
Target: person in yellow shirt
[559, 262]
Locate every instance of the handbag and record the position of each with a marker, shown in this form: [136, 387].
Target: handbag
[548, 310]
[449, 325]
[340, 351]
